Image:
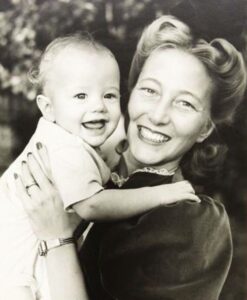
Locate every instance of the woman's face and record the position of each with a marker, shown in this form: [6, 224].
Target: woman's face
[169, 108]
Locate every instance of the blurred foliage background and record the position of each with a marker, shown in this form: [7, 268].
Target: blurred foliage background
[27, 26]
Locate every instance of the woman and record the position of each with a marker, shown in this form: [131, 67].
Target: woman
[182, 90]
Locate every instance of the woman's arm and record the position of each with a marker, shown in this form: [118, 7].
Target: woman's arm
[65, 277]
[49, 221]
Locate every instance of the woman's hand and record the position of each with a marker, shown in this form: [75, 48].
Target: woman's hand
[42, 201]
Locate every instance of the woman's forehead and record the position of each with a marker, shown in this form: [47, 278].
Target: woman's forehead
[175, 69]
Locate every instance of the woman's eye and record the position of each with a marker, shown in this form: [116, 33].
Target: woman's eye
[81, 96]
[149, 91]
[185, 105]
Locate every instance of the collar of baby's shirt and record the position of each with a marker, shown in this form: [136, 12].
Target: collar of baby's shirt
[50, 131]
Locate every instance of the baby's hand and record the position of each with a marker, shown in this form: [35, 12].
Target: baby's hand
[178, 191]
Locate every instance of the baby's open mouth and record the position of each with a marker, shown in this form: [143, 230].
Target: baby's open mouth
[153, 136]
[97, 124]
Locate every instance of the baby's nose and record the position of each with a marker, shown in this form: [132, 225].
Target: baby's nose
[98, 105]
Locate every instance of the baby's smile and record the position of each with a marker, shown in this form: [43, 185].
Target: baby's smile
[94, 124]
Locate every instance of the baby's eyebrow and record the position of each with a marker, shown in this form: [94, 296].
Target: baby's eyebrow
[114, 88]
[79, 87]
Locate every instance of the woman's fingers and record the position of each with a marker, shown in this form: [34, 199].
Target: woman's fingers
[22, 192]
[37, 173]
[44, 157]
[28, 180]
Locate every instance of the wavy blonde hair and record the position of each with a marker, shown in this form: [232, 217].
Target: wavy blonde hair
[224, 65]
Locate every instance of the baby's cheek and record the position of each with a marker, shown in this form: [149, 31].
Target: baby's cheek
[110, 155]
[110, 149]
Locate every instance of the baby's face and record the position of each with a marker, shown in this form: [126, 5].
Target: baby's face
[83, 86]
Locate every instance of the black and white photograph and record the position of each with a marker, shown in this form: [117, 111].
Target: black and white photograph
[123, 150]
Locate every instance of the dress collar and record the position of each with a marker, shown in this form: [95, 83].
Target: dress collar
[119, 180]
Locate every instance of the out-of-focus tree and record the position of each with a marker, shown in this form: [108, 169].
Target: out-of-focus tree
[27, 26]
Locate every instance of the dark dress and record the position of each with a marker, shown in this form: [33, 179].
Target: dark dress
[177, 252]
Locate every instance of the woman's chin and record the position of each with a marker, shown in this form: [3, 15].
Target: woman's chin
[156, 159]
[145, 158]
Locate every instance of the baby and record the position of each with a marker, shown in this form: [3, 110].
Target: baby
[80, 105]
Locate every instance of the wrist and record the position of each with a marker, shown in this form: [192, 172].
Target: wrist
[47, 245]
[156, 193]
[55, 235]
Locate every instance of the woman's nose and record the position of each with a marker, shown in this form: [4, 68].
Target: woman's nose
[160, 114]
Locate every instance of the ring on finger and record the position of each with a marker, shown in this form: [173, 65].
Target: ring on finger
[30, 185]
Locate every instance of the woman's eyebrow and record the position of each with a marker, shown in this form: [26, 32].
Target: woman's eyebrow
[150, 79]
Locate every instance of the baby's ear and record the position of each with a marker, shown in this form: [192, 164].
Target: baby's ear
[45, 105]
[206, 131]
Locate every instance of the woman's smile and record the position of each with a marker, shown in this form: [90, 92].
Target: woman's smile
[169, 108]
[151, 136]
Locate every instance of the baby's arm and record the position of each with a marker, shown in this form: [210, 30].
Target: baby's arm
[122, 204]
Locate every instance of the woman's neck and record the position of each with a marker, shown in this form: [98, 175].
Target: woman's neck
[129, 164]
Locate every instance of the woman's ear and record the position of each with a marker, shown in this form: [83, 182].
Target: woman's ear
[45, 106]
[206, 131]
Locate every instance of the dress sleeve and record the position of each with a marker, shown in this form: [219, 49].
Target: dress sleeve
[180, 252]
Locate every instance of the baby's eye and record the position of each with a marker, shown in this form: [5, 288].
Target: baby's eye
[111, 96]
[81, 96]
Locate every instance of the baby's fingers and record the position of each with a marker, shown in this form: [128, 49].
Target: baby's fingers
[186, 196]
[186, 186]
[192, 197]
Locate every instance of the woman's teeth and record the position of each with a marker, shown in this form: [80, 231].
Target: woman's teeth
[152, 136]
[94, 124]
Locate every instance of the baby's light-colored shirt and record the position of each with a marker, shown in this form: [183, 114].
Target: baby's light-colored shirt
[78, 172]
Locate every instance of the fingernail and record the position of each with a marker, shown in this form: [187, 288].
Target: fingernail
[24, 163]
[39, 145]
[15, 176]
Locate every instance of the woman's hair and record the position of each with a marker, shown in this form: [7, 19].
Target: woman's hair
[224, 65]
[38, 74]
